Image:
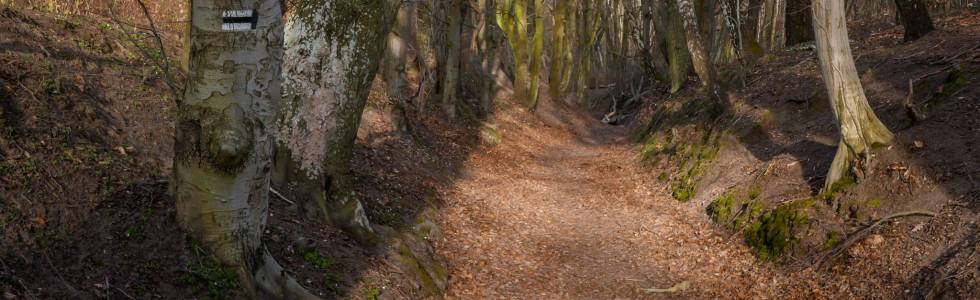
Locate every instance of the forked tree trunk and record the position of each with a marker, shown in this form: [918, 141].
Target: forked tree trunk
[332, 53]
[696, 43]
[223, 149]
[859, 127]
[915, 18]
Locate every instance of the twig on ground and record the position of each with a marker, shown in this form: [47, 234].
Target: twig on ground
[280, 195]
[860, 234]
[676, 288]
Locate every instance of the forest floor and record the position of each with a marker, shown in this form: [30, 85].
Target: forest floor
[552, 205]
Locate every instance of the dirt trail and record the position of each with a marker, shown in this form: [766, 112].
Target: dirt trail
[550, 215]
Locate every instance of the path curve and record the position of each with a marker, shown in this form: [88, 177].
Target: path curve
[550, 215]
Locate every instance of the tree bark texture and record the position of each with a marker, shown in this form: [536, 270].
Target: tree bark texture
[915, 18]
[332, 53]
[223, 146]
[799, 22]
[859, 127]
[695, 43]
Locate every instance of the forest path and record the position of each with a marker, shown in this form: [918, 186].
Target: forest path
[549, 214]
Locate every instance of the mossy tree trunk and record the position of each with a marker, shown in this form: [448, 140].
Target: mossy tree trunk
[223, 149]
[678, 56]
[915, 18]
[332, 53]
[559, 47]
[586, 40]
[537, 52]
[512, 18]
[859, 127]
[696, 43]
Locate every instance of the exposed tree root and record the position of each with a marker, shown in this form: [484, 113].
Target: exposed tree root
[860, 234]
[271, 281]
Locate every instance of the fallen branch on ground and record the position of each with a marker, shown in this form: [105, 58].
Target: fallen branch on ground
[676, 288]
[860, 234]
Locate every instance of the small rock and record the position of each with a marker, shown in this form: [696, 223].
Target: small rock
[918, 144]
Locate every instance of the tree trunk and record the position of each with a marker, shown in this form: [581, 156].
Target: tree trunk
[859, 127]
[677, 53]
[450, 82]
[425, 54]
[695, 43]
[487, 42]
[222, 150]
[586, 39]
[915, 18]
[772, 19]
[537, 51]
[799, 22]
[558, 50]
[394, 68]
[512, 17]
[333, 49]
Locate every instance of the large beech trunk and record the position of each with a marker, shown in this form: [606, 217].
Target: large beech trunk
[332, 53]
[223, 149]
[859, 127]
[915, 18]
[677, 54]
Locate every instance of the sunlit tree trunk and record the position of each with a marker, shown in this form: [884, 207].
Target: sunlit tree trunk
[695, 43]
[859, 127]
[332, 53]
[915, 18]
[223, 149]
[394, 68]
[512, 16]
[678, 55]
[771, 30]
[559, 48]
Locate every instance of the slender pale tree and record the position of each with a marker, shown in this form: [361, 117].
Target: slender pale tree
[915, 18]
[223, 144]
[772, 29]
[859, 127]
[696, 43]
[332, 52]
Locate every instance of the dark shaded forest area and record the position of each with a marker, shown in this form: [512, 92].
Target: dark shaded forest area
[489, 149]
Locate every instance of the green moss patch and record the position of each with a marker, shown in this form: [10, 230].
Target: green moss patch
[775, 231]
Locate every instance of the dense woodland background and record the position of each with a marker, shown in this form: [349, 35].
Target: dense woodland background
[490, 149]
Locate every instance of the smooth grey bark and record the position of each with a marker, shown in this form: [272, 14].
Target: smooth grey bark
[859, 127]
[332, 53]
[223, 148]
